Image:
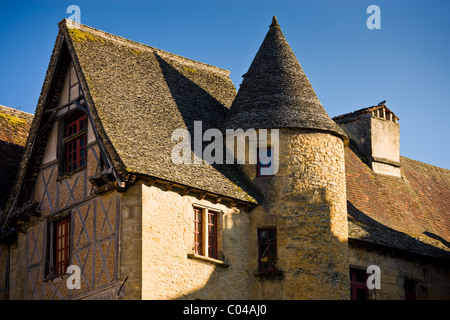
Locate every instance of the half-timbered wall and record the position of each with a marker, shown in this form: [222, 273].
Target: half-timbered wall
[94, 220]
[93, 247]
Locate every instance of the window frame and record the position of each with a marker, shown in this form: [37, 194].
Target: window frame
[198, 231]
[74, 142]
[270, 255]
[212, 234]
[56, 267]
[355, 284]
[206, 236]
[61, 245]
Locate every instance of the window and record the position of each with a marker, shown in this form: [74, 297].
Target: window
[212, 234]
[265, 167]
[75, 142]
[198, 231]
[61, 247]
[410, 289]
[205, 236]
[267, 250]
[358, 286]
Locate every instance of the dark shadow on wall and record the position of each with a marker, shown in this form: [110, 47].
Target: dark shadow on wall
[10, 156]
[309, 265]
[436, 237]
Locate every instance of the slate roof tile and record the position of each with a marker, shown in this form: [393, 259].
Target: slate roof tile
[276, 93]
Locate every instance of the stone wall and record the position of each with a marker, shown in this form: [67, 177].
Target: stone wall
[169, 268]
[432, 281]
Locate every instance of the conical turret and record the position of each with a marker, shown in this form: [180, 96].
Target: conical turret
[304, 210]
[276, 93]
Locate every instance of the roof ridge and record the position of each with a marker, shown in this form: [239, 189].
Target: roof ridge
[138, 45]
[424, 163]
[362, 110]
[15, 112]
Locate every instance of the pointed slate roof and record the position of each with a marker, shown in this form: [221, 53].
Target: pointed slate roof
[276, 93]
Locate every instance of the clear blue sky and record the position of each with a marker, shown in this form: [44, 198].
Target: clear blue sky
[406, 62]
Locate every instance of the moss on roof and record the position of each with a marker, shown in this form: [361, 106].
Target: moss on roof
[14, 125]
[80, 36]
[14, 120]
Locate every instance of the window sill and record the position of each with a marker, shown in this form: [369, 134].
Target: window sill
[54, 277]
[72, 173]
[213, 261]
[270, 275]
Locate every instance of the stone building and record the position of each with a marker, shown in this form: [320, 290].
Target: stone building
[98, 189]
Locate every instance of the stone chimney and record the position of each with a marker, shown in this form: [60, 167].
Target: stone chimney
[376, 133]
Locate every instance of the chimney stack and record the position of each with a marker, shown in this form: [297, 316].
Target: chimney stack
[376, 133]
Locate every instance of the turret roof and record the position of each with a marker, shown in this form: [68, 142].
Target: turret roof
[276, 93]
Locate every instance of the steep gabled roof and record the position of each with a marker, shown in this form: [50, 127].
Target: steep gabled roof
[137, 96]
[14, 127]
[140, 95]
[411, 213]
[276, 93]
